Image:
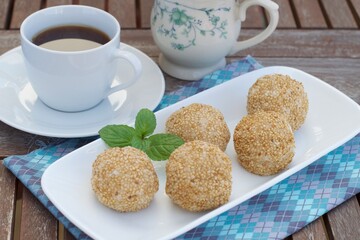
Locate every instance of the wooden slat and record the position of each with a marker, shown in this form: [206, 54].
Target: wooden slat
[11, 147]
[344, 220]
[145, 12]
[314, 231]
[7, 202]
[4, 7]
[306, 43]
[309, 14]
[22, 9]
[286, 16]
[9, 39]
[68, 235]
[124, 11]
[64, 234]
[51, 3]
[93, 3]
[16, 142]
[255, 18]
[339, 14]
[356, 5]
[36, 221]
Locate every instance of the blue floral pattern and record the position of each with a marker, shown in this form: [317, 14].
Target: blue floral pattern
[182, 24]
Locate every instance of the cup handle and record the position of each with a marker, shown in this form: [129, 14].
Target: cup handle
[135, 63]
[271, 8]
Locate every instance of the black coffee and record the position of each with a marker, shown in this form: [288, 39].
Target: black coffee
[71, 38]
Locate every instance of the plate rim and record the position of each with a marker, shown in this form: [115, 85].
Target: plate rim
[248, 195]
[57, 132]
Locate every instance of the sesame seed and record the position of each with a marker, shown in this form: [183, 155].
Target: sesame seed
[124, 179]
[279, 93]
[198, 176]
[199, 122]
[264, 142]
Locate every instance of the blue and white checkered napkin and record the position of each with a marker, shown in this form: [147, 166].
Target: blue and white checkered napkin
[274, 214]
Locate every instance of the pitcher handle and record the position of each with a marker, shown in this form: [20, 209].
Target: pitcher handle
[271, 8]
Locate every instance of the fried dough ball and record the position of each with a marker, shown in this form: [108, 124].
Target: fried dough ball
[124, 179]
[279, 93]
[199, 122]
[198, 176]
[264, 143]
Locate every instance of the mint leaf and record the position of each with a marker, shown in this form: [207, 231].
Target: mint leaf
[157, 146]
[142, 144]
[117, 135]
[145, 123]
[162, 145]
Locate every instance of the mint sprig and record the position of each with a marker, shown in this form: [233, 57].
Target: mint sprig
[157, 146]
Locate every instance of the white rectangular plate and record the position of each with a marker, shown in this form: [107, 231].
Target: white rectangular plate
[333, 119]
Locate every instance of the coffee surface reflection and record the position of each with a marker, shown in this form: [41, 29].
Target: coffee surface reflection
[70, 38]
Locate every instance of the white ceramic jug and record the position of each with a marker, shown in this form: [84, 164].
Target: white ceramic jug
[195, 36]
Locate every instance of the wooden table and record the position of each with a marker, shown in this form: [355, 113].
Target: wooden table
[321, 37]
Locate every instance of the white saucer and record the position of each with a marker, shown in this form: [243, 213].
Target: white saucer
[21, 108]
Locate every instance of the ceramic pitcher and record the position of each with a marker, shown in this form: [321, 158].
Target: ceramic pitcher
[195, 36]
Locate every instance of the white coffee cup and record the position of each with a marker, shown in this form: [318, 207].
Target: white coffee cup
[75, 80]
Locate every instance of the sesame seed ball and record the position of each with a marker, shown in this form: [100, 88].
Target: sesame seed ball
[124, 179]
[198, 176]
[264, 143]
[279, 93]
[199, 122]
